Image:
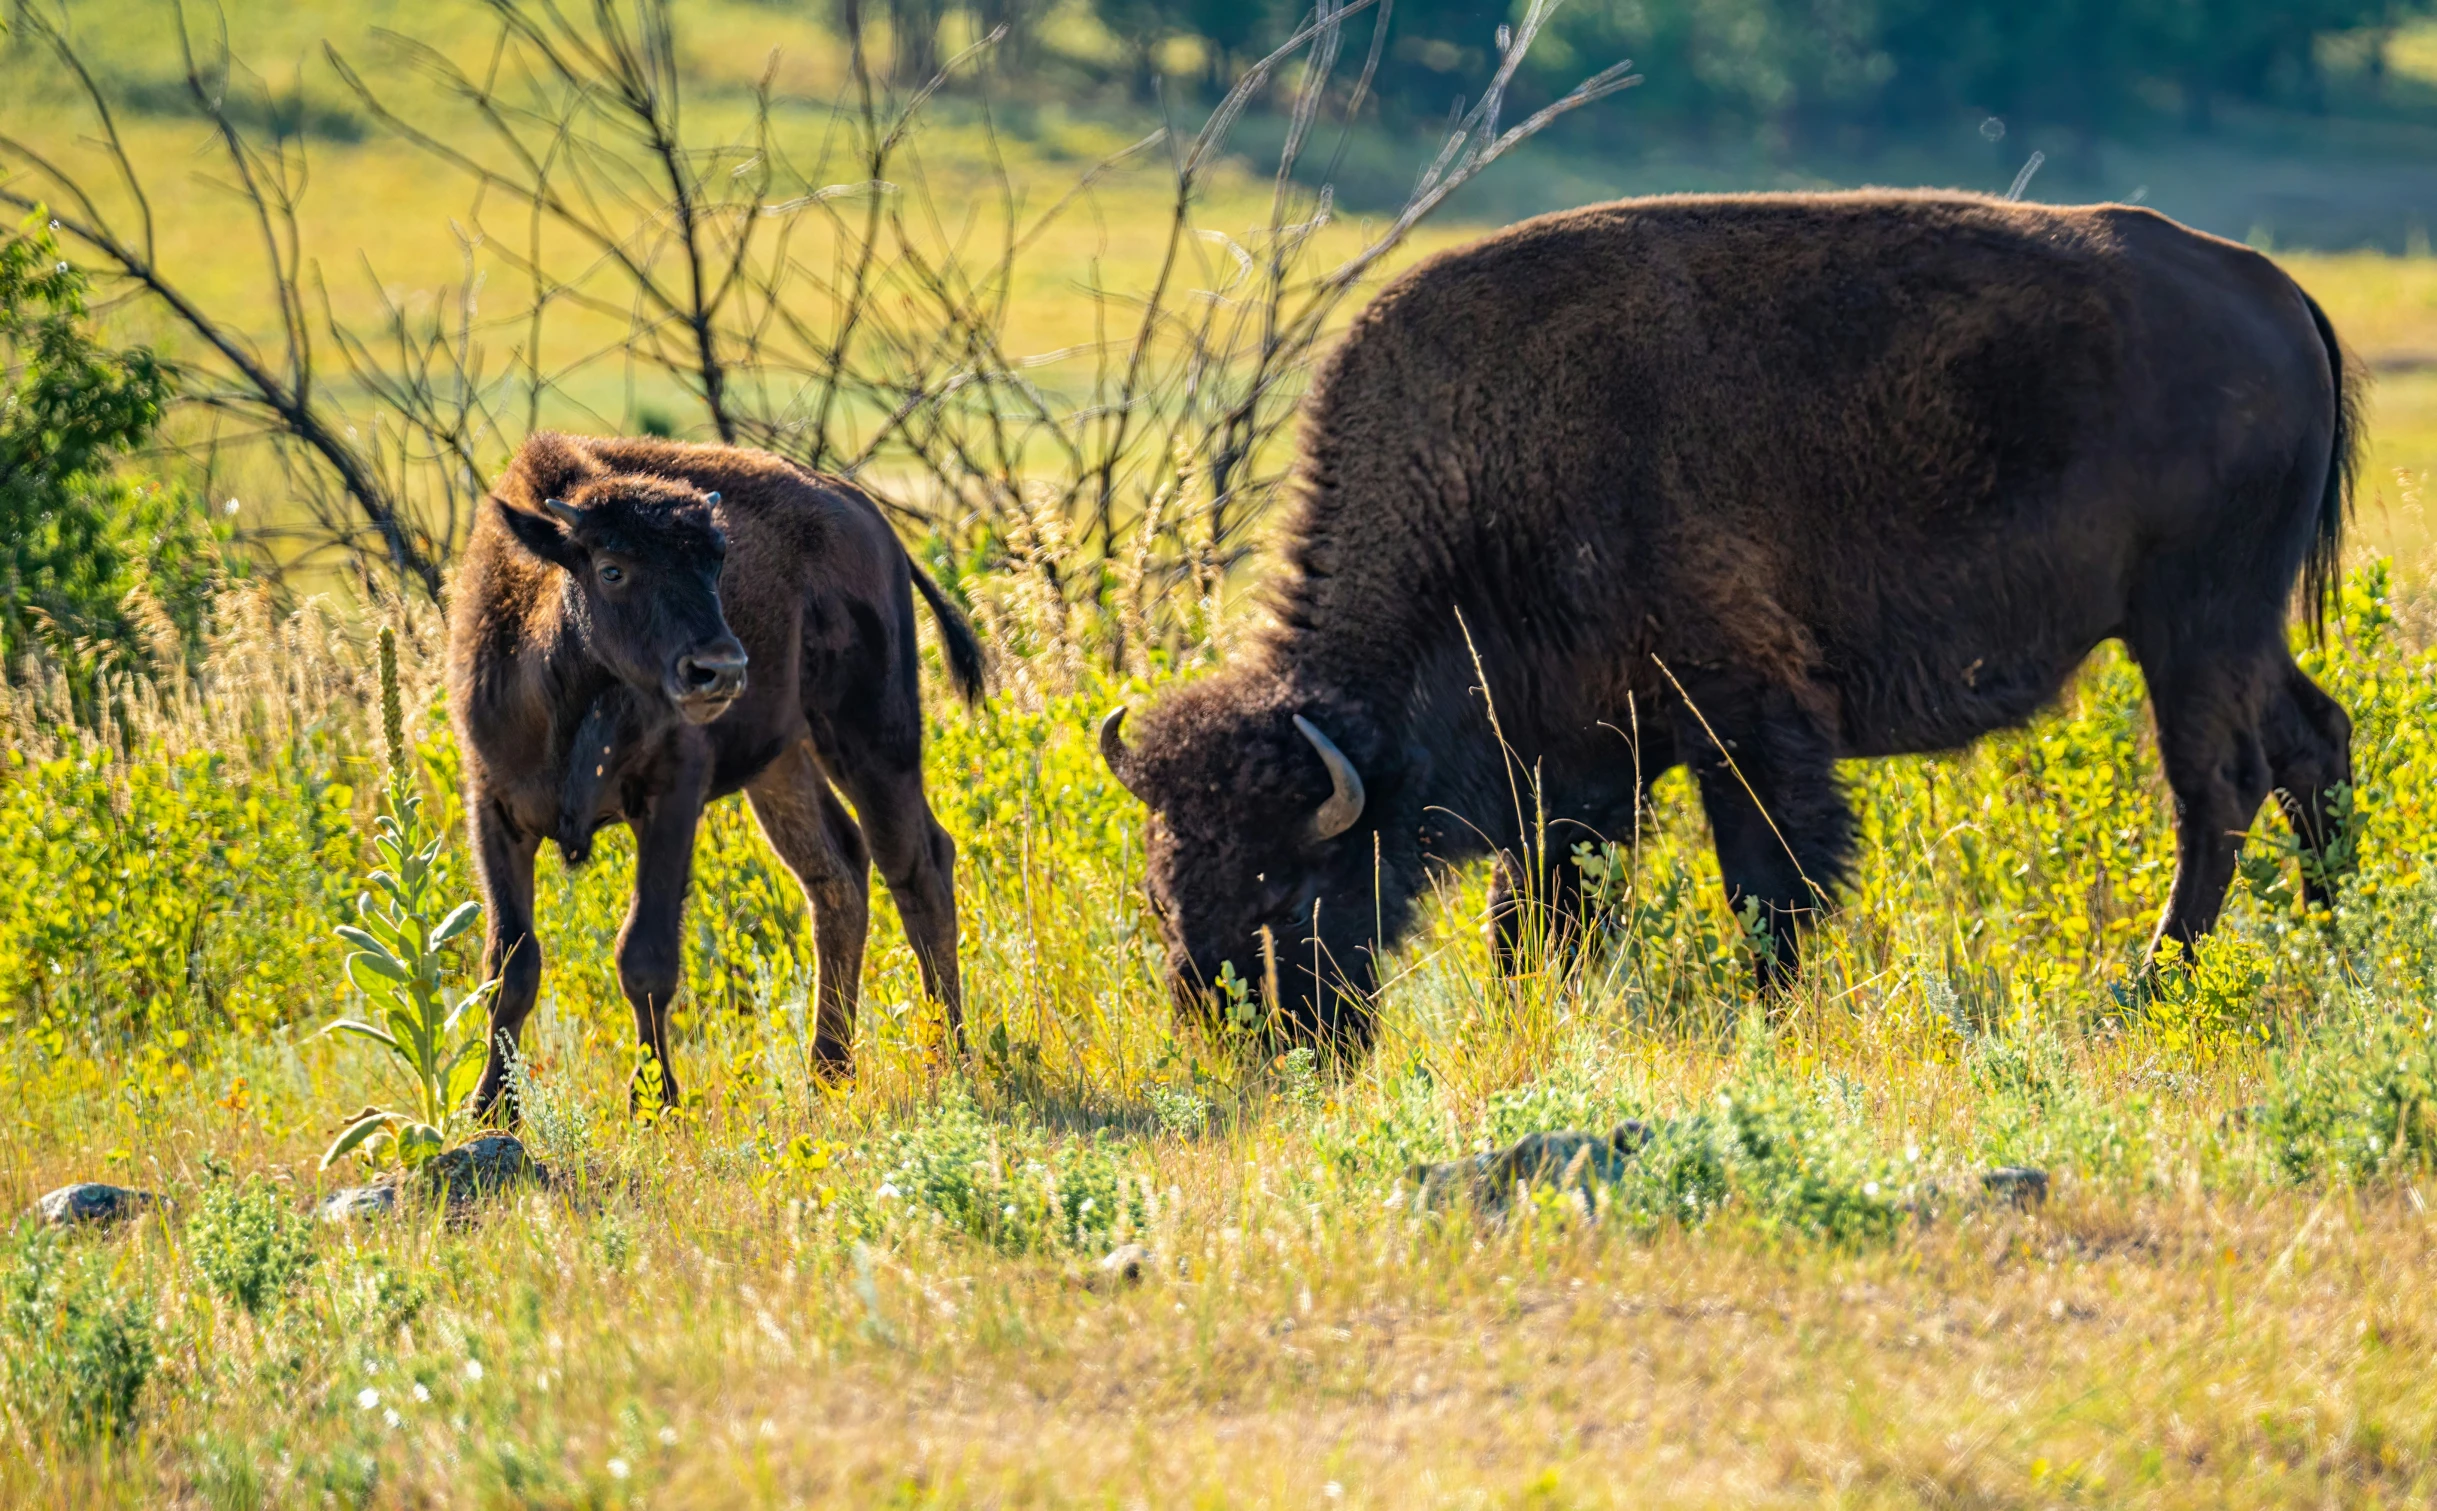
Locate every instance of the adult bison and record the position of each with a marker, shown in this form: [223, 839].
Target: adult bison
[614, 594]
[1752, 483]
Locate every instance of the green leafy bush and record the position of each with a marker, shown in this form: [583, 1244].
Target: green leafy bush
[2210, 999]
[2356, 1099]
[75, 1347]
[1573, 1093]
[249, 1241]
[1007, 1184]
[1793, 1167]
[1679, 1177]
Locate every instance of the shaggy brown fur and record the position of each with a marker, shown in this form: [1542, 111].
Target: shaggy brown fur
[1756, 483]
[595, 679]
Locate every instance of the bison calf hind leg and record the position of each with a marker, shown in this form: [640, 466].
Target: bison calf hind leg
[503, 859]
[813, 833]
[1781, 825]
[918, 861]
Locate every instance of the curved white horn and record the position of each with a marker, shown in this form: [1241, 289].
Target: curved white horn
[1344, 804]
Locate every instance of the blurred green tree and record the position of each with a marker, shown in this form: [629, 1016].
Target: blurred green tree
[78, 531]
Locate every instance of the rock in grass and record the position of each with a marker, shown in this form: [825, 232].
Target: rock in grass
[1124, 1265]
[1568, 1159]
[2020, 1185]
[360, 1201]
[94, 1203]
[487, 1165]
[460, 1177]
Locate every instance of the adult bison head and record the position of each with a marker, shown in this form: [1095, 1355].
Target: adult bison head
[642, 557]
[1274, 855]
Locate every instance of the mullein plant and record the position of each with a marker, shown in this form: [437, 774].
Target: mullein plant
[398, 963]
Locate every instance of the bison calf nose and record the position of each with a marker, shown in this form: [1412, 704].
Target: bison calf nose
[709, 677]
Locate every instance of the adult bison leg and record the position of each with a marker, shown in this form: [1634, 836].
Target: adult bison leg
[1538, 919]
[1543, 918]
[2309, 740]
[918, 861]
[503, 858]
[651, 947]
[813, 833]
[2211, 709]
[1782, 828]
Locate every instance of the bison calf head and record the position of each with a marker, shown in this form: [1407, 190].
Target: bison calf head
[643, 557]
[1266, 861]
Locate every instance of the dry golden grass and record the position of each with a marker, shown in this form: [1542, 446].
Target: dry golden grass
[677, 1331]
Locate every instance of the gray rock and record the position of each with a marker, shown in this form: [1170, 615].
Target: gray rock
[2021, 1185]
[483, 1167]
[462, 1176]
[1124, 1265]
[1568, 1158]
[93, 1202]
[360, 1201]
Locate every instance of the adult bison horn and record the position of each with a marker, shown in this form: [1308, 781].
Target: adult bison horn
[564, 512]
[1344, 804]
[1112, 744]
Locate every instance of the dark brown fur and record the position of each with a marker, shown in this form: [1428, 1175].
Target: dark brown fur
[1756, 483]
[568, 722]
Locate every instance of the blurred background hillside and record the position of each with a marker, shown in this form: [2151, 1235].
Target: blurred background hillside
[2308, 125]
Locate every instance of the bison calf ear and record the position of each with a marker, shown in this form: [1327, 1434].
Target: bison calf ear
[543, 536]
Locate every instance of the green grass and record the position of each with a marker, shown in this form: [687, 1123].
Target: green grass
[889, 1294]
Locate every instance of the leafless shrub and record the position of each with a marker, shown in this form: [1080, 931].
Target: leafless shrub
[828, 306]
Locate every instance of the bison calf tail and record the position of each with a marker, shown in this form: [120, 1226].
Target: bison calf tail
[2322, 574]
[956, 638]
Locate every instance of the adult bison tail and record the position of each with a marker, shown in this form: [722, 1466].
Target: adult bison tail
[2322, 573]
[956, 638]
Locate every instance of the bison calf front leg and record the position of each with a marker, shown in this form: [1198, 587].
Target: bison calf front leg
[651, 947]
[1782, 828]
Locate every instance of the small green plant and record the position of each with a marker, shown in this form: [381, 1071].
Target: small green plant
[2355, 1099]
[1006, 1184]
[250, 1244]
[73, 1346]
[2209, 998]
[1241, 1012]
[400, 957]
[1181, 1110]
[553, 1122]
[1299, 1085]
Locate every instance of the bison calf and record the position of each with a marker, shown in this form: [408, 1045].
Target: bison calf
[642, 626]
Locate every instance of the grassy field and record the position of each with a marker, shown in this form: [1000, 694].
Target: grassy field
[891, 1294]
